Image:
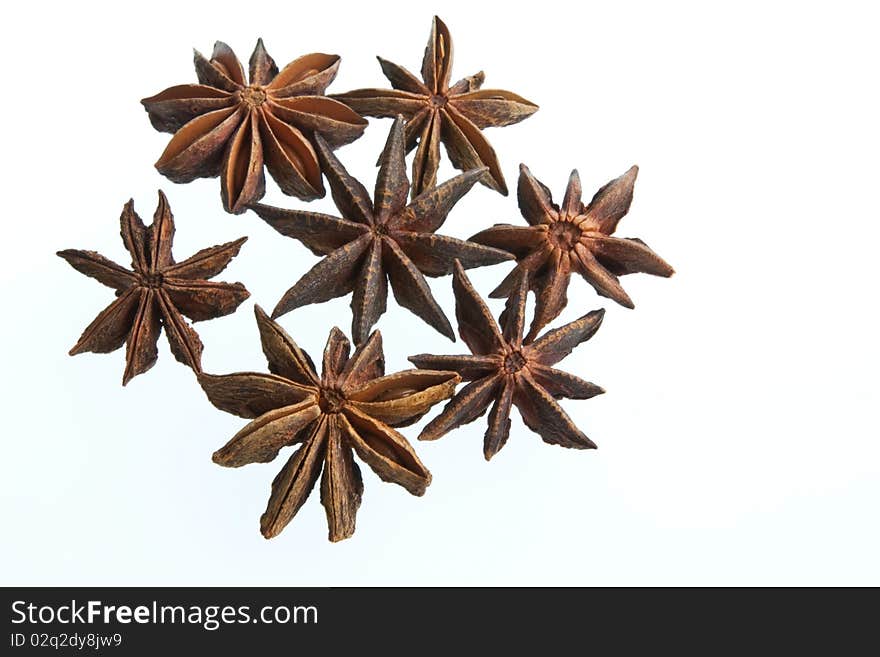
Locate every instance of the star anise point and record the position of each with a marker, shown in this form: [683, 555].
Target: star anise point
[350, 409]
[379, 242]
[504, 370]
[235, 127]
[156, 293]
[571, 238]
[437, 111]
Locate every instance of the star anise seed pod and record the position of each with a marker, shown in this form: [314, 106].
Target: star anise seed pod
[439, 112]
[230, 127]
[574, 237]
[504, 370]
[379, 241]
[351, 407]
[156, 294]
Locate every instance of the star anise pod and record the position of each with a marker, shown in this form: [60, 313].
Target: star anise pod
[574, 237]
[351, 407]
[439, 112]
[504, 370]
[377, 242]
[156, 294]
[228, 127]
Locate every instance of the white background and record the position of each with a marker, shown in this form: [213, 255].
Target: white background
[738, 440]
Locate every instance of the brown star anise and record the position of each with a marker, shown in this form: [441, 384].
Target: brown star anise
[379, 241]
[511, 372]
[571, 238]
[156, 293]
[439, 112]
[351, 406]
[227, 127]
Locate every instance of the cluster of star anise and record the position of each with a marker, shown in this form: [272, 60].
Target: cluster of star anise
[236, 127]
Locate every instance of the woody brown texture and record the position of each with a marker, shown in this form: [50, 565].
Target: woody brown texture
[236, 127]
[350, 409]
[505, 371]
[379, 241]
[232, 127]
[156, 293]
[439, 112]
[570, 238]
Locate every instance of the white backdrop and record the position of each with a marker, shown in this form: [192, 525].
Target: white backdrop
[738, 440]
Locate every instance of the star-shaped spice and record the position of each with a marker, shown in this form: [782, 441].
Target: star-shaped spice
[351, 407]
[377, 242]
[504, 371]
[437, 112]
[156, 294]
[574, 237]
[228, 127]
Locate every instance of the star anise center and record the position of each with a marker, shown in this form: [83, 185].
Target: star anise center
[437, 101]
[254, 95]
[564, 235]
[379, 229]
[151, 279]
[514, 361]
[330, 400]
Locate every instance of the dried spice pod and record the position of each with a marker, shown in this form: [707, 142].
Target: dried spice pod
[505, 370]
[350, 409]
[381, 241]
[571, 238]
[439, 112]
[232, 127]
[156, 294]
